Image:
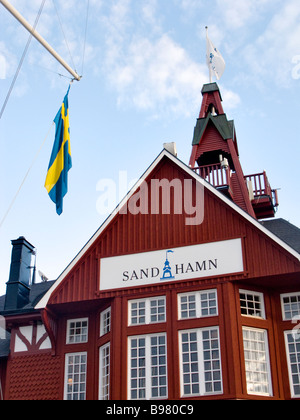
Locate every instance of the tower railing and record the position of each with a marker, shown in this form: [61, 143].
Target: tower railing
[217, 175]
[261, 187]
[260, 184]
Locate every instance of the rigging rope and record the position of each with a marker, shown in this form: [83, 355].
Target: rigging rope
[25, 177]
[63, 32]
[13, 83]
[85, 35]
[22, 60]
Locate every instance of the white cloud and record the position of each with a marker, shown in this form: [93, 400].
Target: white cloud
[145, 66]
[190, 6]
[258, 38]
[158, 76]
[150, 16]
[150, 70]
[270, 56]
[237, 14]
[8, 62]
[230, 99]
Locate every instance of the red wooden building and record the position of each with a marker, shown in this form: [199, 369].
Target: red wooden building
[183, 293]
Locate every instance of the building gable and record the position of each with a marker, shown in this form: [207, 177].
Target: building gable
[139, 226]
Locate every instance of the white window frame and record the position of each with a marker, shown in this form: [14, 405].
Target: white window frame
[105, 321]
[75, 378]
[296, 308]
[202, 367]
[104, 372]
[69, 335]
[147, 310]
[261, 303]
[256, 364]
[294, 371]
[199, 304]
[145, 371]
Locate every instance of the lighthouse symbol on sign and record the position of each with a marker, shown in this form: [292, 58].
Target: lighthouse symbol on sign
[167, 272]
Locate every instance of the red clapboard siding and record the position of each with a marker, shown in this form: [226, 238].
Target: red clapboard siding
[129, 234]
[212, 140]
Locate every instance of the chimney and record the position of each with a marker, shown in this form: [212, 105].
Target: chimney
[171, 147]
[18, 285]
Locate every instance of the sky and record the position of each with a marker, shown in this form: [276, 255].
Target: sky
[143, 66]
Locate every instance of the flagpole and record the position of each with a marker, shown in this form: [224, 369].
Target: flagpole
[39, 38]
[209, 67]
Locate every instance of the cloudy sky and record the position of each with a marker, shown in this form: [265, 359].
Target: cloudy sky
[143, 67]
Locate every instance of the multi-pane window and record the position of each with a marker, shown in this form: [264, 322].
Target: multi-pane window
[158, 310]
[147, 311]
[105, 321]
[290, 306]
[75, 376]
[257, 364]
[292, 341]
[200, 360]
[147, 364]
[197, 304]
[252, 304]
[77, 331]
[104, 372]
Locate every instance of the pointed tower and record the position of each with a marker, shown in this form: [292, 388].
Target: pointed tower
[215, 157]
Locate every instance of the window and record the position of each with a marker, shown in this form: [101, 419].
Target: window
[252, 304]
[104, 376]
[147, 366]
[290, 306]
[197, 304]
[77, 331]
[147, 311]
[200, 362]
[105, 320]
[75, 376]
[257, 365]
[292, 342]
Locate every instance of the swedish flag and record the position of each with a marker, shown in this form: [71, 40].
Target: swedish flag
[61, 161]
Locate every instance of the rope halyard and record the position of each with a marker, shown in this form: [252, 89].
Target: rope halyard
[25, 177]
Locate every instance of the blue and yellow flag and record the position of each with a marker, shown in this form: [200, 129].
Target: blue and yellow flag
[60, 162]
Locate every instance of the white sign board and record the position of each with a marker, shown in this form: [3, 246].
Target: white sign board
[170, 265]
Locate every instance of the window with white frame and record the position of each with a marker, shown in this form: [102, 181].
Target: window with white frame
[200, 362]
[147, 311]
[77, 331]
[75, 376]
[147, 364]
[104, 372]
[257, 363]
[252, 304]
[290, 303]
[198, 304]
[292, 342]
[105, 321]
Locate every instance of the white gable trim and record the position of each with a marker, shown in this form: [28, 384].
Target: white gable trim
[43, 302]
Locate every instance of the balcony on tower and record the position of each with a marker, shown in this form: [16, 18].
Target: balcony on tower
[264, 200]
